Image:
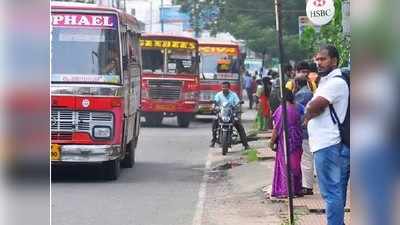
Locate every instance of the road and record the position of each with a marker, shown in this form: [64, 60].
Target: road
[161, 189]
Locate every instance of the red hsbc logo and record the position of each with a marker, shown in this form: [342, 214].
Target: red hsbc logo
[320, 12]
[82, 20]
[319, 3]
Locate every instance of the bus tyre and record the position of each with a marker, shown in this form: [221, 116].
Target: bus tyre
[154, 119]
[129, 159]
[112, 169]
[184, 119]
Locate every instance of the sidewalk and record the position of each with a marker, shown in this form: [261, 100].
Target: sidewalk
[310, 209]
[237, 188]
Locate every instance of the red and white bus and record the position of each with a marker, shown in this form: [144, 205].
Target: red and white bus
[219, 62]
[170, 84]
[95, 86]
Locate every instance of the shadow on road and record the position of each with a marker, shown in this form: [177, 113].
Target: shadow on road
[142, 172]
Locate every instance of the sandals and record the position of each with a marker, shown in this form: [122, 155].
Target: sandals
[307, 191]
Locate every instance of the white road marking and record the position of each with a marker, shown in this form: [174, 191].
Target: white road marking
[198, 216]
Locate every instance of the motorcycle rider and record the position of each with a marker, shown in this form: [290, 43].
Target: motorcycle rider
[226, 95]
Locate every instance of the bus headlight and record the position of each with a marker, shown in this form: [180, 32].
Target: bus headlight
[192, 95]
[145, 93]
[102, 132]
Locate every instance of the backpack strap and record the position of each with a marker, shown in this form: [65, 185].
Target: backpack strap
[334, 116]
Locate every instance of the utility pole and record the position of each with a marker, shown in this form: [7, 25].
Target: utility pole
[151, 16]
[196, 21]
[161, 15]
[284, 109]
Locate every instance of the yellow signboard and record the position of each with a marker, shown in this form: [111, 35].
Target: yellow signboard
[167, 44]
[218, 50]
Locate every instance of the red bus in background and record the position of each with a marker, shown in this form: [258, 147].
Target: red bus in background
[170, 83]
[219, 62]
[95, 86]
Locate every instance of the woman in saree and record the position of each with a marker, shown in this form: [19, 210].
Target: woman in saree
[279, 185]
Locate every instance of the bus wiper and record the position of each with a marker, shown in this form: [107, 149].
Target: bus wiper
[97, 56]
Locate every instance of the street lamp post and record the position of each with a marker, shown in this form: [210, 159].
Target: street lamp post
[196, 19]
[162, 15]
[284, 110]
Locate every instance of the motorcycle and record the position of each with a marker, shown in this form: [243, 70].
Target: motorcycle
[227, 114]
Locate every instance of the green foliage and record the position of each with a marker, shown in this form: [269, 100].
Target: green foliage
[329, 34]
[254, 22]
[251, 155]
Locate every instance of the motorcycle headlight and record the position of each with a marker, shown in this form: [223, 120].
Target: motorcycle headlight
[102, 132]
[226, 119]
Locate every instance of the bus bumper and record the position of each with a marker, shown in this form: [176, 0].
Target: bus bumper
[88, 153]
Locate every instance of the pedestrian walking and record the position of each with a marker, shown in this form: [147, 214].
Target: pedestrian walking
[313, 77]
[264, 100]
[263, 118]
[279, 184]
[254, 90]
[302, 96]
[260, 119]
[289, 77]
[274, 98]
[331, 156]
[248, 86]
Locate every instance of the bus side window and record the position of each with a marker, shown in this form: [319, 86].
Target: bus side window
[124, 51]
[134, 47]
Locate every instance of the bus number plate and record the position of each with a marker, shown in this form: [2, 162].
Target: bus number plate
[55, 152]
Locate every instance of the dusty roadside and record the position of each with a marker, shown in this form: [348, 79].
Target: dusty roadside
[234, 187]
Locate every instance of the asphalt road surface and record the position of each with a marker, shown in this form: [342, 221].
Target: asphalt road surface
[161, 189]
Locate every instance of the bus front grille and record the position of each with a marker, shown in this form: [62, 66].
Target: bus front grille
[165, 89]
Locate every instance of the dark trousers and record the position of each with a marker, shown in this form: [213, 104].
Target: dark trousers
[239, 127]
[250, 96]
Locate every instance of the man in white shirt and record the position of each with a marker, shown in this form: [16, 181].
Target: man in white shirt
[332, 158]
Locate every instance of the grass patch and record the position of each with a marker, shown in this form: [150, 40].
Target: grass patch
[295, 221]
[251, 155]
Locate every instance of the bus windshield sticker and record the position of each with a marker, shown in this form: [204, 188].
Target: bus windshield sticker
[180, 56]
[187, 63]
[171, 66]
[115, 79]
[81, 37]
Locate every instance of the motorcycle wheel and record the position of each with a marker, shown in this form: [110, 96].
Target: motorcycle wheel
[224, 142]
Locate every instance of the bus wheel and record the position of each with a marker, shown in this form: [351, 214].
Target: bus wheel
[112, 169]
[184, 119]
[154, 119]
[129, 159]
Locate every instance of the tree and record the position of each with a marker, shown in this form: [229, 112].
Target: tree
[254, 22]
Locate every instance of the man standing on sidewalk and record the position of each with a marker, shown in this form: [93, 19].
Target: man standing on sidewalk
[248, 86]
[302, 96]
[332, 158]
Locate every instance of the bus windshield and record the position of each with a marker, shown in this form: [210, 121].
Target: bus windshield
[179, 61]
[218, 63]
[85, 55]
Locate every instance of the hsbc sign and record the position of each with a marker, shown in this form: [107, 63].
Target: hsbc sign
[320, 12]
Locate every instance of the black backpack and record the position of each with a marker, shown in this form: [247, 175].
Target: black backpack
[344, 128]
